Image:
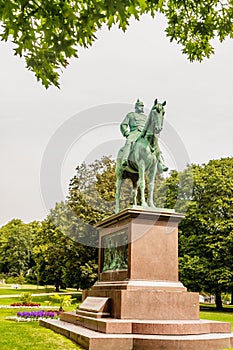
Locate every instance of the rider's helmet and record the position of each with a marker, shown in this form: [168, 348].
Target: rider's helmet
[139, 103]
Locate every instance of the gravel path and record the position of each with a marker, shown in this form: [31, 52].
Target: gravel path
[36, 294]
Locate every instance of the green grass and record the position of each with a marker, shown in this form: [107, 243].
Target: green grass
[222, 316]
[7, 289]
[43, 300]
[210, 307]
[28, 336]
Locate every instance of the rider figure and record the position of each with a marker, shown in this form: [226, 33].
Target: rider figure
[131, 128]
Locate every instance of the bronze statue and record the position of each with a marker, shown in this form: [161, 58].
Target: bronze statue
[141, 154]
[131, 128]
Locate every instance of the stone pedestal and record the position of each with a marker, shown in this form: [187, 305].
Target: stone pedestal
[145, 244]
[138, 301]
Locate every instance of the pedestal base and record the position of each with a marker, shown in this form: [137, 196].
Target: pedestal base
[111, 334]
[147, 303]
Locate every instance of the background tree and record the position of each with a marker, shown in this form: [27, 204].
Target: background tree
[16, 241]
[81, 266]
[60, 260]
[50, 254]
[206, 233]
[92, 190]
[48, 33]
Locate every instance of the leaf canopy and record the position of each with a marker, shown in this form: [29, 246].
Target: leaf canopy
[48, 33]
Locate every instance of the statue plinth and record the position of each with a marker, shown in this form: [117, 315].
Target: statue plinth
[151, 249]
[138, 266]
[138, 301]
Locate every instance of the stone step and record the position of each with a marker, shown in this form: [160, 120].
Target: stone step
[89, 339]
[171, 327]
[93, 340]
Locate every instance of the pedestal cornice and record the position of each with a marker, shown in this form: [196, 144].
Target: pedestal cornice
[143, 213]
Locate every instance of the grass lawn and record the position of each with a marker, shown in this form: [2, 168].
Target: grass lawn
[30, 336]
[217, 316]
[208, 312]
[43, 300]
[33, 289]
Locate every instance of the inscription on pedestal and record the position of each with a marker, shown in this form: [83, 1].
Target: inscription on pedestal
[96, 307]
[115, 251]
[94, 304]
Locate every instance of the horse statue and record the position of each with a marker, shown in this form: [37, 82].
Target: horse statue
[144, 159]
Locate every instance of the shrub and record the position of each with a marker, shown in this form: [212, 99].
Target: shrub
[11, 280]
[15, 279]
[26, 297]
[62, 300]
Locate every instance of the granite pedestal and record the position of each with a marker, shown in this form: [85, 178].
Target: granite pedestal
[138, 302]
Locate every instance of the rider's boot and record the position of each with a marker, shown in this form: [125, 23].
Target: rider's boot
[125, 155]
[161, 166]
[164, 167]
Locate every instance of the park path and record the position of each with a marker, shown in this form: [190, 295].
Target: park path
[36, 294]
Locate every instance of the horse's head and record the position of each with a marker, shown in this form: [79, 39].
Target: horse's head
[157, 116]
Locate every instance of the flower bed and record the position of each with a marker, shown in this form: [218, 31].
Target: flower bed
[27, 316]
[26, 304]
[38, 314]
[26, 307]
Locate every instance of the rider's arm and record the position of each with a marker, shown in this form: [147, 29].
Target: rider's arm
[124, 127]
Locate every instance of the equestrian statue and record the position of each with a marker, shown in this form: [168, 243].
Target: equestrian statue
[141, 155]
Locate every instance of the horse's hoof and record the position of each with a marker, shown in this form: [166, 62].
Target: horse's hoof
[144, 205]
[151, 205]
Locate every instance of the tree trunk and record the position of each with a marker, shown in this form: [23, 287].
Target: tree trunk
[231, 297]
[57, 287]
[218, 301]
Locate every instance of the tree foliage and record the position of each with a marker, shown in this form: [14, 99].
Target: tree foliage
[16, 242]
[49, 33]
[61, 260]
[206, 233]
[92, 190]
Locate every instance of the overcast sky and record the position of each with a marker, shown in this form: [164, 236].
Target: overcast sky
[45, 133]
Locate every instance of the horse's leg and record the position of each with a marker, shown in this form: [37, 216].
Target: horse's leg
[151, 178]
[118, 190]
[142, 182]
[135, 191]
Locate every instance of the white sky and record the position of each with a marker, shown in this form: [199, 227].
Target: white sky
[113, 73]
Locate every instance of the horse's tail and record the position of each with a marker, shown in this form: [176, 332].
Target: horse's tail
[119, 160]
